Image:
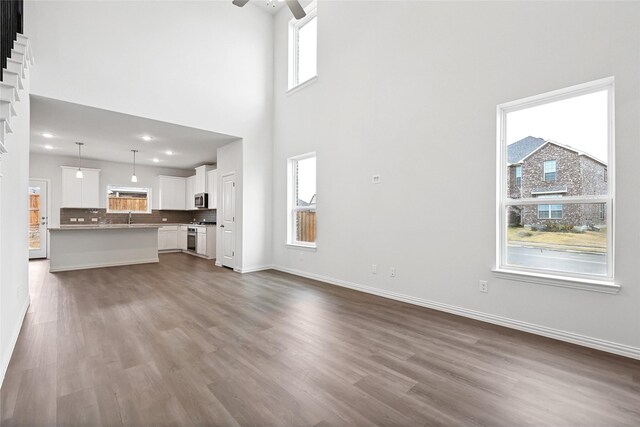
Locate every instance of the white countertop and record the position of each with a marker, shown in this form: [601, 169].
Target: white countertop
[104, 227]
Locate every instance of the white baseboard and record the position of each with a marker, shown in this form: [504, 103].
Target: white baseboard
[6, 358]
[254, 269]
[583, 340]
[101, 265]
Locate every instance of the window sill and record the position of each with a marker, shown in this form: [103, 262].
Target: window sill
[603, 286]
[303, 247]
[302, 85]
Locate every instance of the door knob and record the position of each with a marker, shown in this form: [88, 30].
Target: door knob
[222, 226]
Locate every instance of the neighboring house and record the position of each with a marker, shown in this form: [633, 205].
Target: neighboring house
[541, 168]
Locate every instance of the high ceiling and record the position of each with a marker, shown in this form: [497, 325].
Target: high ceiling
[111, 136]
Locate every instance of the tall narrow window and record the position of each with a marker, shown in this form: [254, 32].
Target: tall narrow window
[518, 173]
[550, 170]
[559, 222]
[303, 48]
[302, 200]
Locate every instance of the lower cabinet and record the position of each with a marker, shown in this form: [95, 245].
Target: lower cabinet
[182, 238]
[201, 247]
[168, 238]
[174, 238]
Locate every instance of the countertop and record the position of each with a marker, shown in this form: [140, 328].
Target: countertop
[104, 227]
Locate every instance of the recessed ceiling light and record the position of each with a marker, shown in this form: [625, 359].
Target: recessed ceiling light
[169, 152]
[48, 147]
[146, 137]
[47, 135]
[156, 160]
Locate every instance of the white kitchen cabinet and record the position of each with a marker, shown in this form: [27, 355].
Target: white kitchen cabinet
[172, 192]
[182, 237]
[200, 183]
[168, 238]
[189, 199]
[212, 188]
[80, 192]
[201, 247]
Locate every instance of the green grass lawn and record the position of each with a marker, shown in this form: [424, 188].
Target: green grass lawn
[589, 241]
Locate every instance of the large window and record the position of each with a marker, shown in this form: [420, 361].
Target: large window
[302, 200]
[128, 199]
[303, 48]
[557, 225]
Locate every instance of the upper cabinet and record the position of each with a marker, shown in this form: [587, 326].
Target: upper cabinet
[212, 188]
[80, 192]
[172, 193]
[190, 201]
[200, 183]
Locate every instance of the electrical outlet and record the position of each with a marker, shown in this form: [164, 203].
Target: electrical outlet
[80, 219]
[374, 269]
[484, 286]
[73, 219]
[393, 272]
[164, 219]
[94, 219]
[376, 179]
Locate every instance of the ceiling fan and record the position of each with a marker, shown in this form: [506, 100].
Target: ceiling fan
[293, 5]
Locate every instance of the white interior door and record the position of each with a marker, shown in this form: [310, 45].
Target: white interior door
[228, 225]
[37, 218]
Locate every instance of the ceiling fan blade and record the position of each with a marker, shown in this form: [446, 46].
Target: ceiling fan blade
[296, 9]
[240, 3]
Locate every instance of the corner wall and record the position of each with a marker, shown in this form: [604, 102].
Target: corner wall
[409, 90]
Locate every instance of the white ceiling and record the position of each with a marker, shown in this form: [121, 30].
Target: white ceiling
[268, 6]
[111, 136]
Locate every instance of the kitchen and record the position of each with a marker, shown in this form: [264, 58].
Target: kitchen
[154, 191]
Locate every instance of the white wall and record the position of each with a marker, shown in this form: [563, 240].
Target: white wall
[409, 90]
[14, 226]
[111, 173]
[204, 64]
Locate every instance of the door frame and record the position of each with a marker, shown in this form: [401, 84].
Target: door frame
[48, 181]
[220, 237]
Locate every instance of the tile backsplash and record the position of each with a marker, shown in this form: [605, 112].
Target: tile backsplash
[85, 216]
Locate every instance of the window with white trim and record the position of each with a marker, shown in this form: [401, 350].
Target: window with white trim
[302, 200]
[557, 224]
[550, 170]
[303, 48]
[128, 199]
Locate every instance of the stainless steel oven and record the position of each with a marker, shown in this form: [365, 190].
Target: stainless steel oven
[192, 239]
[201, 200]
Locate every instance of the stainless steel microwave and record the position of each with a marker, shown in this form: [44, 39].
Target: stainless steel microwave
[201, 200]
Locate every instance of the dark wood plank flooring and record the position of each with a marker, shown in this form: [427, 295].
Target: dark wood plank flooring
[185, 343]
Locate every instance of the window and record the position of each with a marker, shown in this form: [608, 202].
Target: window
[549, 211]
[558, 227]
[302, 200]
[128, 199]
[550, 170]
[303, 48]
[518, 176]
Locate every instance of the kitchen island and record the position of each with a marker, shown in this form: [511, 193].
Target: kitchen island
[77, 247]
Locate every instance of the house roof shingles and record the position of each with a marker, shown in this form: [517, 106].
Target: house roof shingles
[521, 149]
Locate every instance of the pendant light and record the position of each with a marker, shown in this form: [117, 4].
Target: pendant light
[79, 174]
[134, 178]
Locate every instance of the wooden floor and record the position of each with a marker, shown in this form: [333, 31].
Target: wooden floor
[186, 343]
